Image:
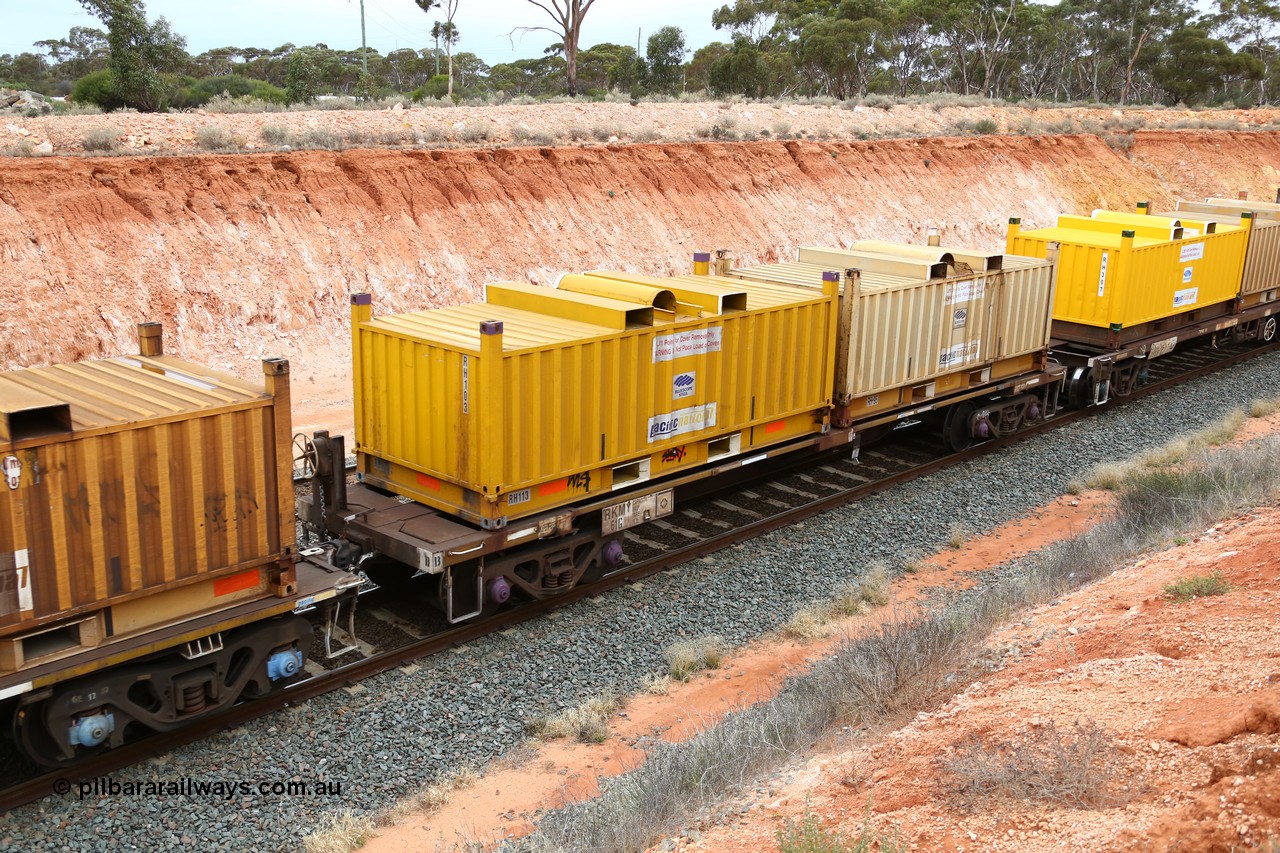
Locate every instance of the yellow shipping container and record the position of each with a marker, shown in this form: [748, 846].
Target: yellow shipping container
[157, 487]
[543, 397]
[1261, 277]
[1115, 279]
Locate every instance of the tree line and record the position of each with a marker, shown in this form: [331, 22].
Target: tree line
[1113, 51]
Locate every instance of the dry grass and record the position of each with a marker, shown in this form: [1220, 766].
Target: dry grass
[214, 137]
[957, 535]
[809, 624]
[586, 723]
[1112, 475]
[340, 832]
[689, 657]
[1045, 765]
[656, 685]
[1264, 408]
[891, 672]
[430, 799]
[852, 599]
[101, 139]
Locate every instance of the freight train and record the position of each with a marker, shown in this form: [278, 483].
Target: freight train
[148, 556]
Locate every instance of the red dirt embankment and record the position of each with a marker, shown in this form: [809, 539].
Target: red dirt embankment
[247, 256]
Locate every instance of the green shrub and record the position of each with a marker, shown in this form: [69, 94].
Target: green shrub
[985, 126]
[98, 89]
[1197, 586]
[810, 836]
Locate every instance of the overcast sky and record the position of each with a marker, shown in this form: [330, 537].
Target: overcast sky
[390, 24]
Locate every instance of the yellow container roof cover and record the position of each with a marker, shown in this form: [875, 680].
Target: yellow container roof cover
[1101, 239]
[459, 327]
[760, 294]
[131, 389]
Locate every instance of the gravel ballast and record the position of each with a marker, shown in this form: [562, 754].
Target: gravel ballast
[398, 731]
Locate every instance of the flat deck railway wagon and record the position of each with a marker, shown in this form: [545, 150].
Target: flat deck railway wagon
[545, 412]
[504, 448]
[148, 568]
[1132, 286]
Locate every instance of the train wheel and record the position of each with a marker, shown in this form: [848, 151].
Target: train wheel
[955, 427]
[1082, 388]
[32, 736]
[1267, 333]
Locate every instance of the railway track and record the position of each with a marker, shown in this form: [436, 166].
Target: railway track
[707, 520]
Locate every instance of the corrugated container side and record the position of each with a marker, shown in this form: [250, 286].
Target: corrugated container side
[914, 334]
[907, 331]
[1024, 306]
[117, 509]
[1262, 258]
[543, 399]
[1110, 281]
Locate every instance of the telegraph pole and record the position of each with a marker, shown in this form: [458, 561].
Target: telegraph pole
[364, 50]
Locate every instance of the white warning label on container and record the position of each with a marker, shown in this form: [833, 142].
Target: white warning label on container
[692, 342]
[15, 582]
[1186, 275]
[1186, 297]
[964, 291]
[691, 419]
[959, 353]
[1191, 252]
[1102, 276]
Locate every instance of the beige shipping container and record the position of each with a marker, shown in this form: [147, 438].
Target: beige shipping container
[928, 322]
[1021, 290]
[542, 398]
[126, 478]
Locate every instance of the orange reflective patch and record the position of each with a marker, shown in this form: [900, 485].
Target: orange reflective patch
[552, 488]
[430, 482]
[235, 583]
[776, 426]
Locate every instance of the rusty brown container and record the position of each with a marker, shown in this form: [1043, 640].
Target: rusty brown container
[143, 487]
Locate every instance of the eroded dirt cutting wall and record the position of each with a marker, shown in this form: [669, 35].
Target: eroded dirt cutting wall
[255, 255]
